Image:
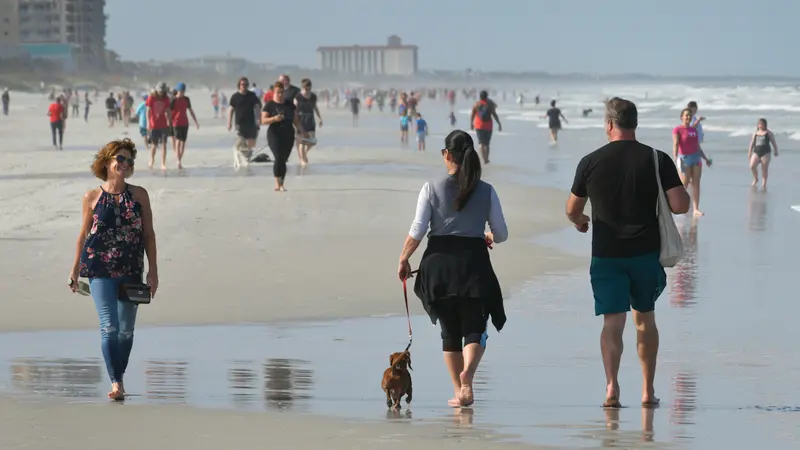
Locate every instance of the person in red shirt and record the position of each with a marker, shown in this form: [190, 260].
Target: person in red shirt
[483, 112]
[57, 115]
[159, 118]
[179, 106]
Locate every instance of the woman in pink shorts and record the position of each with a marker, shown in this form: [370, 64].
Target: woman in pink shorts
[689, 156]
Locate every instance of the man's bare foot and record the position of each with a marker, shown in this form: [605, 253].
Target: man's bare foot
[650, 401]
[764, 185]
[466, 396]
[697, 213]
[150, 165]
[612, 397]
[282, 189]
[755, 182]
[163, 168]
[454, 402]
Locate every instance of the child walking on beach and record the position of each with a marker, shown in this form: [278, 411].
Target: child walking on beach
[422, 132]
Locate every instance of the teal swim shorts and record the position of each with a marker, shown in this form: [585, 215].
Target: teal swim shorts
[620, 284]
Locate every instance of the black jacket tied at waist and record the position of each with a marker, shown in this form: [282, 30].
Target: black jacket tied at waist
[459, 267]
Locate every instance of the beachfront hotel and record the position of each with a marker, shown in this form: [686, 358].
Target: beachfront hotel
[394, 58]
[71, 32]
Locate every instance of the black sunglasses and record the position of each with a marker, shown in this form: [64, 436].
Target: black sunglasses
[123, 159]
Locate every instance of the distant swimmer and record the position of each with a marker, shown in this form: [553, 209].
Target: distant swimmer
[586, 112]
[536, 101]
[762, 146]
[554, 117]
[521, 100]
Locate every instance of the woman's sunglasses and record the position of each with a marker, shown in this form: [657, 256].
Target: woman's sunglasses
[123, 159]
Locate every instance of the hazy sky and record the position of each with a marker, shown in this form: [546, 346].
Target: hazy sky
[666, 37]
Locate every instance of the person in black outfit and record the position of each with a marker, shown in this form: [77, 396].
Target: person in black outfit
[306, 103]
[280, 114]
[244, 105]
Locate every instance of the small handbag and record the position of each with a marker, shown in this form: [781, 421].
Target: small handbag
[671, 243]
[138, 293]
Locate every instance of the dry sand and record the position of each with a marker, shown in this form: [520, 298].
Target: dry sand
[230, 251]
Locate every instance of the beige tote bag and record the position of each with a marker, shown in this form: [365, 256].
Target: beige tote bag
[671, 243]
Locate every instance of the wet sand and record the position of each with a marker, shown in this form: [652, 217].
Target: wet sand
[232, 251]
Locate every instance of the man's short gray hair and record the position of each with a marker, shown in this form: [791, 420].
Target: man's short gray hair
[622, 113]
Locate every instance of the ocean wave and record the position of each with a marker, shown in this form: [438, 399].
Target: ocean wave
[741, 107]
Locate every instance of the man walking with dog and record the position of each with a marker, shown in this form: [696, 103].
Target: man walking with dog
[619, 179]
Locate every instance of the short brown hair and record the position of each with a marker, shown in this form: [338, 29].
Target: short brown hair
[305, 82]
[110, 150]
[622, 113]
[277, 85]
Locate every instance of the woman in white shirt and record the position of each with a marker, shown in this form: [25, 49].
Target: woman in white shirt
[456, 282]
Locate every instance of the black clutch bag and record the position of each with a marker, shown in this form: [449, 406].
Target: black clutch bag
[138, 293]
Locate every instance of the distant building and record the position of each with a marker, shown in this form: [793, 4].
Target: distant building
[391, 59]
[223, 65]
[63, 30]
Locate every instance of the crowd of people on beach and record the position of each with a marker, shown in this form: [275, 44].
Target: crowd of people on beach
[455, 280]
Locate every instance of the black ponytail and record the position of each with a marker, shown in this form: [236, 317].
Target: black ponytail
[468, 174]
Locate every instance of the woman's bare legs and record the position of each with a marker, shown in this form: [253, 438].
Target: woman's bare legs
[764, 170]
[462, 367]
[455, 365]
[696, 173]
[754, 162]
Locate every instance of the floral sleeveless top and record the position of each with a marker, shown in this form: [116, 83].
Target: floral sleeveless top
[114, 247]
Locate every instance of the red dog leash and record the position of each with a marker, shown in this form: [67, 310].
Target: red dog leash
[408, 314]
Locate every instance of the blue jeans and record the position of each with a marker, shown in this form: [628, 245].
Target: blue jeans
[117, 319]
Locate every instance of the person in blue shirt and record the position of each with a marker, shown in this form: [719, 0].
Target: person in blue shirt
[405, 119]
[141, 111]
[422, 131]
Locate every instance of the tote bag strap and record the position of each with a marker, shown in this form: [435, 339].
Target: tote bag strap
[658, 180]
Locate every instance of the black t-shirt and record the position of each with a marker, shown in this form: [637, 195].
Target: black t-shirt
[286, 108]
[554, 116]
[291, 92]
[619, 179]
[244, 107]
[111, 104]
[305, 106]
[354, 104]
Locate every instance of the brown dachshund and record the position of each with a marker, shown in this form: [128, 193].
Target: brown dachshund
[396, 379]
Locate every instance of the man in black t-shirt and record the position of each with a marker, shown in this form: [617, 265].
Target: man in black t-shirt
[290, 91]
[246, 107]
[620, 181]
[111, 109]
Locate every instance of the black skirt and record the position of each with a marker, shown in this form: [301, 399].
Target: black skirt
[459, 267]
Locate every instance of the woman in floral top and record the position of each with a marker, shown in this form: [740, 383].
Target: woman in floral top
[116, 233]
